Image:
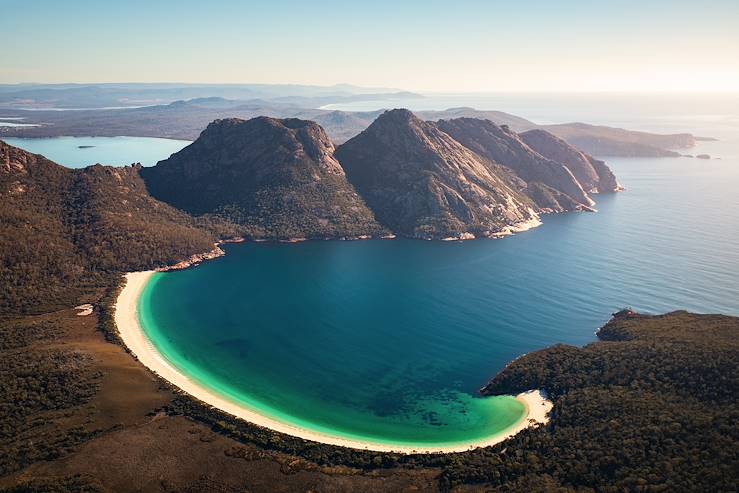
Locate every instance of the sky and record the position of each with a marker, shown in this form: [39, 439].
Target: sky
[431, 46]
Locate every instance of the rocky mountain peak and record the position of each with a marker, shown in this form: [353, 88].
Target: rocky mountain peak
[400, 123]
[421, 182]
[277, 177]
[293, 137]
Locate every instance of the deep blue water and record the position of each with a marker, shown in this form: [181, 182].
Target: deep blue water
[390, 340]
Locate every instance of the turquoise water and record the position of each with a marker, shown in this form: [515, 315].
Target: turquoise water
[267, 350]
[116, 151]
[390, 340]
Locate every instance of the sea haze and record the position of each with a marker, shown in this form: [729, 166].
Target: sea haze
[390, 340]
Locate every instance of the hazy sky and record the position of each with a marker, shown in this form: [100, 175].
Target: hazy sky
[511, 45]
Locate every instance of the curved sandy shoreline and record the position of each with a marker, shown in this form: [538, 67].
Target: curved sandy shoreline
[130, 331]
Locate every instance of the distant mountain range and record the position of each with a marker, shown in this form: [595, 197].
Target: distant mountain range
[92, 96]
[186, 119]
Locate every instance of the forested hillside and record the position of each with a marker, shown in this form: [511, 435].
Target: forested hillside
[651, 407]
[63, 231]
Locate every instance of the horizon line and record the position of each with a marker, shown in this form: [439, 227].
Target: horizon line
[394, 89]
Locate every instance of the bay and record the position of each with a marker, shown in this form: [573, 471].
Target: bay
[78, 152]
[389, 340]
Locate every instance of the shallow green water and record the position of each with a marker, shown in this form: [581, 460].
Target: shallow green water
[330, 377]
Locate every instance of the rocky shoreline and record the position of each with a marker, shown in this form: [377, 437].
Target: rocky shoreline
[199, 258]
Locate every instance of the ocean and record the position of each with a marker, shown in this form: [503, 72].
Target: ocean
[389, 340]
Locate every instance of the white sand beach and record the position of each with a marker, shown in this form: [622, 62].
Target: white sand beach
[131, 333]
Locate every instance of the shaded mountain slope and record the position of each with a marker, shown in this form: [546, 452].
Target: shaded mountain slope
[63, 230]
[276, 178]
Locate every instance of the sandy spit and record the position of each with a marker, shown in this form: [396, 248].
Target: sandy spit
[130, 331]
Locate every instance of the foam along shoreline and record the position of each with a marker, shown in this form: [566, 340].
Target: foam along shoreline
[133, 336]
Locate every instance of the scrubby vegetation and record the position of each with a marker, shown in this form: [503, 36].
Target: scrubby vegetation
[64, 232]
[652, 407]
[66, 236]
[314, 212]
[39, 383]
[72, 484]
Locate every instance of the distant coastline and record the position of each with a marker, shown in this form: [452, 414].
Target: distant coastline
[126, 319]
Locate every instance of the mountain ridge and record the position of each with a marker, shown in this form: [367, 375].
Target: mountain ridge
[276, 178]
[283, 179]
[501, 145]
[424, 184]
